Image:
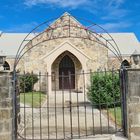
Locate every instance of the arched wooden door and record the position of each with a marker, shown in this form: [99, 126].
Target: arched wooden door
[67, 69]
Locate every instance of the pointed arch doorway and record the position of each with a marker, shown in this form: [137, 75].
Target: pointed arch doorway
[66, 73]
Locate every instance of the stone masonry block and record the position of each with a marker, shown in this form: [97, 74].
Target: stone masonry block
[134, 119]
[134, 108]
[4, 80]
[4, 92]
[135, 129]
[134, 99]
[7, 103]
[5, 136]
[5, 113]
[5, 126]
[134, 137]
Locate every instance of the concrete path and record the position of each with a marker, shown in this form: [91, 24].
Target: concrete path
[61, 116]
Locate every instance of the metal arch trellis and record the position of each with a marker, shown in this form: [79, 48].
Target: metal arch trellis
[91, 34]
[110, 43]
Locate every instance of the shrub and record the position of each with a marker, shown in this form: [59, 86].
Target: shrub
[27, 82]
[104, 89]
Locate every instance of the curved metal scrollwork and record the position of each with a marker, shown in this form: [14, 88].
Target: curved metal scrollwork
[92, 32]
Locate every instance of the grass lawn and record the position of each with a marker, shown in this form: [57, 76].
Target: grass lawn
[38, 98]
[118, 114]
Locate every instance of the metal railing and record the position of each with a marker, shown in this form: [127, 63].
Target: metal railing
[92, 106]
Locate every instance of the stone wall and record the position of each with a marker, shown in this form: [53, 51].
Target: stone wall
[77, 35]
[133, 104]
[113, 61]
[97, 53]
[20, 66]
[5, 106]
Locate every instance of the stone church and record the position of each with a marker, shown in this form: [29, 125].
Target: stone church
[65, 51]
[66, 48]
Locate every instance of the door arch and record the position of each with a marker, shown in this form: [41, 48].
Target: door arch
[66, 73]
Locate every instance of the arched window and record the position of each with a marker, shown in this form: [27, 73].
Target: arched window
[6, 66]
[125, 63]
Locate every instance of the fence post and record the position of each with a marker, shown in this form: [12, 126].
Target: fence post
[124, 87]
[6, 107]
[133, 104]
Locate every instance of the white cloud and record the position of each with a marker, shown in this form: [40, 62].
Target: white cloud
[22, 28]
[60, 3]
[105, 9]
[73, 3]
[115, 14]
[115, 3]
[115, 27]
[114, 10]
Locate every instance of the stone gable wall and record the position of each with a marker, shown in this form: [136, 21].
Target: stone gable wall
[66, 28]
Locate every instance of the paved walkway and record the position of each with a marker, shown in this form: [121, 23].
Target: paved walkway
[84, 121]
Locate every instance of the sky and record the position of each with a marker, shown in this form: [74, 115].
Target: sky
[113, 15]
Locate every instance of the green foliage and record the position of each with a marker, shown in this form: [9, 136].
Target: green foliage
[33, 99]
[27, 82]
[104, 89]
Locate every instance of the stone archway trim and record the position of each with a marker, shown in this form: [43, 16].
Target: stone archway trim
[67, 46]
[52, 56]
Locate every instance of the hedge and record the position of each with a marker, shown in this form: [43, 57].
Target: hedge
[27, 82]
[105, 89]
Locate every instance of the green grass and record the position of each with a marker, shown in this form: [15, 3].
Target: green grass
[38, 98]
[118, 114]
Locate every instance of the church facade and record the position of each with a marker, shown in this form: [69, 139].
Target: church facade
[65, 56]
[58, 53]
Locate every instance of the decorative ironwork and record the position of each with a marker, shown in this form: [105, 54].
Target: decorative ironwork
[92, 32]
[67, 114]
[70, 115]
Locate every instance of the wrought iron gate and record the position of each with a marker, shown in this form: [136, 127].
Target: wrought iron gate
[69, 113]
[70, 109]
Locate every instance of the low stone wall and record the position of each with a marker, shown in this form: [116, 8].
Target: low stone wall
[133, 104]
[6, 106]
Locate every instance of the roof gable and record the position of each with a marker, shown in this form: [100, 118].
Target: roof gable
[66, 20]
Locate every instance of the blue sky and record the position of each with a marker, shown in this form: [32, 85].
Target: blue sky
[113, 15]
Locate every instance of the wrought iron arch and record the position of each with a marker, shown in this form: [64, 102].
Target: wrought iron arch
[94, 32]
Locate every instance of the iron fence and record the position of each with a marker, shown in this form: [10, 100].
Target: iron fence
[92, 106]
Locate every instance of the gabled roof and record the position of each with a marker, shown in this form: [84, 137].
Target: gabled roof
[127, 42]
[10, 42]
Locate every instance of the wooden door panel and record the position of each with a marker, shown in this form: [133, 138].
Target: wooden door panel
[66, 82]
